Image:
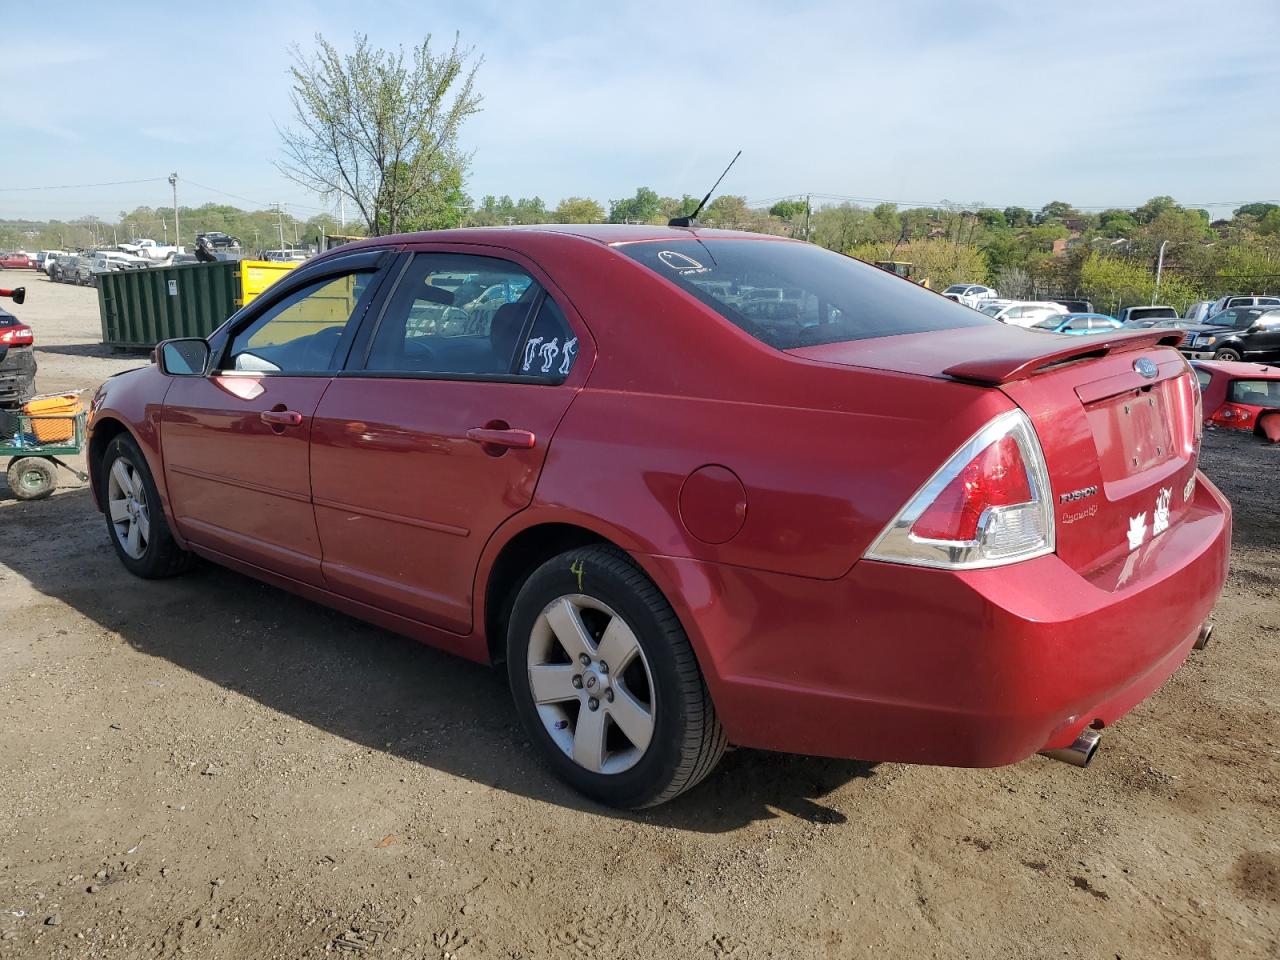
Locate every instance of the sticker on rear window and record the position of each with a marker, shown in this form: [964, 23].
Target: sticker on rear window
[681, 263]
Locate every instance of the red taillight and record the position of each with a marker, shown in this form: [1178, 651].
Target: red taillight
[996, 477]
[16, 336]
[987, 505]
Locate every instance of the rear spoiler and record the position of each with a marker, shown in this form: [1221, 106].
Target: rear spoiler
[1017, 359]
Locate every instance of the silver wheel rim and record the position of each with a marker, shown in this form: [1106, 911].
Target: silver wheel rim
[127, 507]
[591, 684]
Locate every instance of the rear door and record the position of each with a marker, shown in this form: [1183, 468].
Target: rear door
[235, 443]
[437, 431]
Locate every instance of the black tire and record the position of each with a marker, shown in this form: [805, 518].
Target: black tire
[687, 739]
[31, 478]
[161, 556]
[1226, 353]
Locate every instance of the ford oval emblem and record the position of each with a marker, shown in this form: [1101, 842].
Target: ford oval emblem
[1146, 367]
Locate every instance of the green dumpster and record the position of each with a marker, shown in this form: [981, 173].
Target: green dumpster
[139, 308]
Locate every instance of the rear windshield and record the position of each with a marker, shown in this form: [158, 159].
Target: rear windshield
[1257, 393]
[797, 295]
[1148, 313]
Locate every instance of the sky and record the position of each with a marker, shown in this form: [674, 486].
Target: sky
[1016, 102]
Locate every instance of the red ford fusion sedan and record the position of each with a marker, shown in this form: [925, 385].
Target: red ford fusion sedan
[694, 488]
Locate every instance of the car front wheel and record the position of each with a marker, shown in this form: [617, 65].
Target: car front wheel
[606, 683]
[135, 519]
[1226, 353]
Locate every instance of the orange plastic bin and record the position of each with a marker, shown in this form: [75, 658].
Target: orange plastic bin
[60, 411]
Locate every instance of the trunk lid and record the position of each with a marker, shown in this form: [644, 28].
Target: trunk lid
[1117, 418]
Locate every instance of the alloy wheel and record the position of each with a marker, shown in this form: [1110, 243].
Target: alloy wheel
[591, 684]
[127, 506]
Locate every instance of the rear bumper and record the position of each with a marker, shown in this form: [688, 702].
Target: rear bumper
[976, 669]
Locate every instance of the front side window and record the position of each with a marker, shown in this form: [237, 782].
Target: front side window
[1204, 377]
[302, 332]
[792, 295]
[457, 314]
[1256, 393]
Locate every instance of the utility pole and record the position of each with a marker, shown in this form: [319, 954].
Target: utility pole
[342, 211]
[280, 221]
[1155, 291]
[808, 208]
[177, 233]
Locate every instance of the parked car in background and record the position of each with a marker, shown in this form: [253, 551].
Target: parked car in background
[17, 362]
[1198, 312]
[1241, 300]
[1240, 396]
[1079, 324]
[970, 294]
[15, 261]
[1139, 317]
[44, 258]
[284, 256]
[72, 268]
[148, 249]
[729, 574]
[1023, 313]
[1075, 306]
[217, 239]
[1239, 333]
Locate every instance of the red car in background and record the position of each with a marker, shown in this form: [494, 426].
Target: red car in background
[1241, 396]
[16, 261]
[694, 488]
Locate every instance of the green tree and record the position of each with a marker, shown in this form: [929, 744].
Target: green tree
[788, 210]
[578, 210]
[642, 208]
[377, 129]
[1055, 210]
[1256, 210]
[1017, 216]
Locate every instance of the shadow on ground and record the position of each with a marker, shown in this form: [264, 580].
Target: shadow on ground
[359, 682]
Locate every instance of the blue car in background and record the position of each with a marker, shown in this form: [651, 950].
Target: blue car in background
[1079, 324]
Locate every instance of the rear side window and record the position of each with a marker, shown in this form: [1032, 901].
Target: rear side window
[1257, 393]
[795, 294]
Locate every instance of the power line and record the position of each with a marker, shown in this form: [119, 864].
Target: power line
[84, 186]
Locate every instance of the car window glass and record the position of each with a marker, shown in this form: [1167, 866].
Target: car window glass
[455, 314]
[551, 346]
[301, 333]
[1204, 376]
[1257, 393]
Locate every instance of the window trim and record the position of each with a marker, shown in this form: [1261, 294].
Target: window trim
[357, 361]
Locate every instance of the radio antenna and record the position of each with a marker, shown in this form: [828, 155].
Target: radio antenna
[688, 221]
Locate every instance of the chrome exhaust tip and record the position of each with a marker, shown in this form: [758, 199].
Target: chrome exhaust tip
[1080, 752]
[1202, 639]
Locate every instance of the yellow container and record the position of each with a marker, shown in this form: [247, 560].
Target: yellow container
[257, 275]
[61, 411]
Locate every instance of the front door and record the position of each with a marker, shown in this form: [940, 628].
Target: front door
[236, 442]
[419, 455]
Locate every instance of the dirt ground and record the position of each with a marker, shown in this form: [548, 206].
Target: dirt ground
[211, 768]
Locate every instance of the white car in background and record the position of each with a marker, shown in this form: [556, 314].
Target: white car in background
[1023, 313]
[970, 294]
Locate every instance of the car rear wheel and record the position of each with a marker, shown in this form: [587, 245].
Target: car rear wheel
[606, 683]
[135, 519]
[1226, 353]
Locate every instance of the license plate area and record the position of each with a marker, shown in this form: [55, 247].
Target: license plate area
[1133, 431]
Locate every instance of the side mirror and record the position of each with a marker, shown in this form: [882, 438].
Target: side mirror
[187, 357]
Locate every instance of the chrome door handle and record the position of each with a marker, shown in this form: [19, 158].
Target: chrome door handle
[515, 439]
[281, 418]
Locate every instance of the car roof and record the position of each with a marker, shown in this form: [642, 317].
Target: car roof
[605, 233]
[1238, 368]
